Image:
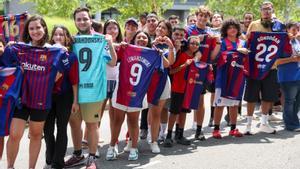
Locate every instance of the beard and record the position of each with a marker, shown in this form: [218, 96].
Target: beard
[267, 23]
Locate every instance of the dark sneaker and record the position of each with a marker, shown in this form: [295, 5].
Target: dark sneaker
[199, 136]
[211, 123]
[74, 161]
[143, 134]
[91, 163]
[183, 141]
[168, 142]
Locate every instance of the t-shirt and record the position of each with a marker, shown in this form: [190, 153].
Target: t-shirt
[40, 67]
[196, 76]
[230, 70]
[10, 85]
[136, 68]
[290, 71]
[265, 49]
[179, 82]
[93, 55]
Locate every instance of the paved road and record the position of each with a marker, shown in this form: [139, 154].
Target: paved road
[260, 151]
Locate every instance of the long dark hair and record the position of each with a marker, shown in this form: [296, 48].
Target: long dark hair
[138, 32]
[26, 37]
[169, 27]
[68, 38]
[119, 37]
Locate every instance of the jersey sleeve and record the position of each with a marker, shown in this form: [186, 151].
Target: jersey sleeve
[106, 53]
[288, 49]
[9, 57]
[63, 62]
[73, 73]
[120, 53]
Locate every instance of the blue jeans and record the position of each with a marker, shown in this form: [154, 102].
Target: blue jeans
[291, 93]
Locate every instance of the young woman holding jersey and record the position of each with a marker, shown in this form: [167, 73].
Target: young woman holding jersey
[64, 101]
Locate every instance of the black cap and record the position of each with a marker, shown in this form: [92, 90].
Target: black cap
[132, 20]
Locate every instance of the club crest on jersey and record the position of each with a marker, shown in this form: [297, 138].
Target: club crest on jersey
[131, 94]
[4, 86]
[43, 58]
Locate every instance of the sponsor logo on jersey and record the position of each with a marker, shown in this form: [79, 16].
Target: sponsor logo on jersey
[43, 58]
[33, 67]
[4, 86]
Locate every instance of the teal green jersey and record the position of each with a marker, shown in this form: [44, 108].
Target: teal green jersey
[93, 54]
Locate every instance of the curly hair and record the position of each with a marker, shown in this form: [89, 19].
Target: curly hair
[230, 22]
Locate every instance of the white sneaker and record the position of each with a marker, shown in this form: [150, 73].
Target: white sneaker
[155, 148]
[46, 166]
[248, 130]
[111, 154]
[128, 146]
[149, 138]
[194, 126]
[116, 148]
[133, 154]
[274, 118]
[266, 128]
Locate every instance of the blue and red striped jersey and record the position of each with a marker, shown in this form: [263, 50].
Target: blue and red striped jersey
[12, 26]
[40, 66]
[136, 69]
[193, 30]
[265, 49]
[230, 70]
[196, 76]
[10, 85]
[206, 45]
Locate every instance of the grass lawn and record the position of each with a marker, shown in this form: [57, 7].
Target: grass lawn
[67, 22]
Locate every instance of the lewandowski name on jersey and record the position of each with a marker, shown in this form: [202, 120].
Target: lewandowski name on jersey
[93, 55]
[136, 69]
[265, 48]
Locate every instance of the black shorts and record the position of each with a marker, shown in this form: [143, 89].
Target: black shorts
[176, 103]
[267, 88]
[32, 114]
[111, 85]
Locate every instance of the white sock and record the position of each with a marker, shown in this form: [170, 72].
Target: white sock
[249, 120]
[264, 119]
[163, 127]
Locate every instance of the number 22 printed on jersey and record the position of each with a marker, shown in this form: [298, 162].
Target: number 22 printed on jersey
[265, 49]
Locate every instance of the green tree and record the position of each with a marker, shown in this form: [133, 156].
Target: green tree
[284, 9]
[64, 8]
